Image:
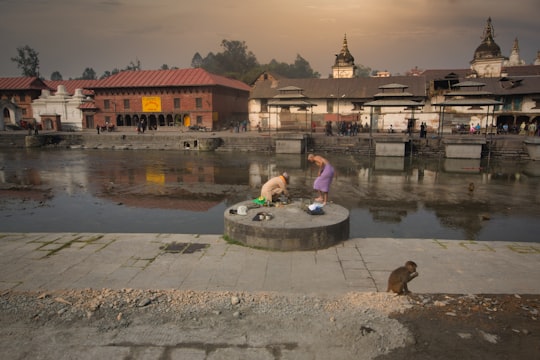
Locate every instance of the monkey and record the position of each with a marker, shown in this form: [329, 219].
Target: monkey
[398, 279]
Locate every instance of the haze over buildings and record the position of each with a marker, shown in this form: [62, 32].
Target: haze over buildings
[393, 35]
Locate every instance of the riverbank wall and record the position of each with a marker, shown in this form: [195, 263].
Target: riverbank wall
[506, 146]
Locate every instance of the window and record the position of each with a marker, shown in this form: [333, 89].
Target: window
[264, 105]
[358, 106]
[107, 119]
[126, 103]
[517, 103]
[330, 106]
[198, 103]
[199, 120]
[177, 103]
[106, 104]
[512, 103]
[22, 98]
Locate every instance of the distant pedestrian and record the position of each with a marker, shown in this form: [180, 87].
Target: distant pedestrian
[35, 126]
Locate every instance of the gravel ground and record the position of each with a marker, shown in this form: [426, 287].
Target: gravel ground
[219, 325]
[341, 328]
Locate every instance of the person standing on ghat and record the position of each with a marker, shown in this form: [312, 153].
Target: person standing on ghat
[324, 177]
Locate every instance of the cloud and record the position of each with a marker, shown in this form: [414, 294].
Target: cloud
[382, 34]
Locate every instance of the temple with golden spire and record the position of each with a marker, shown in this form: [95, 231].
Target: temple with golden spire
[344, 65]
[488, 60]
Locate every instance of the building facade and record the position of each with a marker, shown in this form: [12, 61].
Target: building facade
[508, 81]
[194, 98]
[168, 98]
[156, 98]
[16, 96]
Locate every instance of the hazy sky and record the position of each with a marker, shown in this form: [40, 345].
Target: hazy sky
[393, 35]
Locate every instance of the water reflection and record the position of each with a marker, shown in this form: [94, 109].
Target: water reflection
[187, 192]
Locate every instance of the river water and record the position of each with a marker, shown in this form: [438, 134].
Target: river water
[155, 191]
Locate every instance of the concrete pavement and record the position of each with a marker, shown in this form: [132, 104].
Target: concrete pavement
[56, 261]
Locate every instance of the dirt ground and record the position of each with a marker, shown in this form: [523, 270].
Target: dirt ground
[471, 327]
[356, 326]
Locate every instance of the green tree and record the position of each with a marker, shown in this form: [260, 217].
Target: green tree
[88, 74]
[134, 65]
[299, 70]
[237, 62]
[105, 74]
[164, 67]
[234, 61]
[108, 73]
[56, 76]
[302, 69]
[363, 71]
[197, 61]
[27, 60]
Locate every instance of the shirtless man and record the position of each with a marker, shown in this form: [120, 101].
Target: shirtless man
[324, 178]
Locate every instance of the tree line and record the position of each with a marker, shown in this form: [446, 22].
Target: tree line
[235, 61]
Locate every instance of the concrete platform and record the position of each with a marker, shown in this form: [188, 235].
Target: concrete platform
[46, 262]
[289, 227]
[464, 148]
[56, 261]
[393, 146]
[533, 148]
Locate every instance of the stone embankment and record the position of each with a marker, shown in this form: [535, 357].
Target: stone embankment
[507, 146]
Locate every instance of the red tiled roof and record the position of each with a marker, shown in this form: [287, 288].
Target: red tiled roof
[166, 78]
[88, 105]
[71, 85]
[22, 83]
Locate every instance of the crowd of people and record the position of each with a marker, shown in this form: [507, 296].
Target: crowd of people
[524, 128]
[345, 128]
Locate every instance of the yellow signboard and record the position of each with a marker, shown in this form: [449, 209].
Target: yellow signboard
[151, 104]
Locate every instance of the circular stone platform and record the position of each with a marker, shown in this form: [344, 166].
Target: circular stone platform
[290, 227]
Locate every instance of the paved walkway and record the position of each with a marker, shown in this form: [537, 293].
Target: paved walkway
[54, 261]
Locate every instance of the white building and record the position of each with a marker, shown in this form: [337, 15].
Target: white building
[342, 98]
[49, 109]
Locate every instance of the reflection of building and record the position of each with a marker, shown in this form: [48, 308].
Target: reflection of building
[155, 186]
[465, 215]
[388, 215]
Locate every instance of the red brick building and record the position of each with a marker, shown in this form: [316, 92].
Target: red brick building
[166, 98]
[16, 96]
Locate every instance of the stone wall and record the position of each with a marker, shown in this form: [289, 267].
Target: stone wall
[506, 147]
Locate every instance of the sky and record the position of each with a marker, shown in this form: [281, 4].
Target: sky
[386, 35]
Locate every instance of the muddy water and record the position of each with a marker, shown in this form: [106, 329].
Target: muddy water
[188, 192]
